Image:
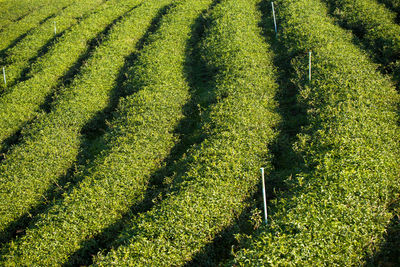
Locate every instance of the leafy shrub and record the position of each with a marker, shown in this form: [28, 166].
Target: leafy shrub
[19, 105]
[141, 135]
[216, 176]
[51, 143]
[374, 23]
[18, 58]
[336, 211]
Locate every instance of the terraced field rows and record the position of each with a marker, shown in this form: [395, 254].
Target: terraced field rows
[58, 135]
[12, 11]
[221, 172]
[15, 10]
[349, 148]
[393, 4]
[18, 58]
[17, 30]
[21, 102]
[134, 136]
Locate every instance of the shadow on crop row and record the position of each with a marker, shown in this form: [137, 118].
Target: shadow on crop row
[21, 37]
[64, 81]
[189, 131]
[388, 252]
[286, 162]
[379, 51]
[91, 144]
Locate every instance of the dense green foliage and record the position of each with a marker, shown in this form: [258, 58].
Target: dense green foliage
[21, 102]
[373, 23]
[393, 4]
[14, 10]
[336, 211]
[134, 136]
[11, 11]
[18, 58]
[141, 136]
[11, 33]
[51, 143]
[216, 177]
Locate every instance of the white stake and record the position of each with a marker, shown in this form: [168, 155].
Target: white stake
[55, 27]
[4, 75]
[309, 66]
[273, 13]
[264, 196]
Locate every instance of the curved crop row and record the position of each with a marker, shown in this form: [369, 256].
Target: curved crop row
[10, 34]
[374, 23]
[51, 143]
[141, 136]
[336, 211]
[21, 103]
[15, 10]
[11, 11]
[18, 58]
[393, 4]
[223, 170]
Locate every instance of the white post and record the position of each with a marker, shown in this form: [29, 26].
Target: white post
[4, 75]
[264, 196]
[273, 13]
[309, 66]
[55, 27]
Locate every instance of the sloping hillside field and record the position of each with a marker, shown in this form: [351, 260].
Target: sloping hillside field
[132, 133]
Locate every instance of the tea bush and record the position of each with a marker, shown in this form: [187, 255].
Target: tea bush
[17, 59]
[140, 136]
[218, 175]
[336, 211]
[20, 104]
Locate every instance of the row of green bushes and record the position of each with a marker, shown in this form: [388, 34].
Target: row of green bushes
[216, 177]
[140, 137]
[12, 11]
[393, 4]
[11, 33]
[51, 143]
[19, 57]
[336, 210]
[373, 23]
[21, 103]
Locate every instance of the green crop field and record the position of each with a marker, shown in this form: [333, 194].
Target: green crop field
[133, 132]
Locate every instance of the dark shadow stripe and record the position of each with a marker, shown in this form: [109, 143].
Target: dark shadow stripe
[189, 130]
[63, 82]
[3, 53]
[17, 228]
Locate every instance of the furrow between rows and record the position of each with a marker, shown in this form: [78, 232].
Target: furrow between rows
[336, 209]
[218, 175]
[18, 59]
[22, 103]
[12, 33]
[141, 135]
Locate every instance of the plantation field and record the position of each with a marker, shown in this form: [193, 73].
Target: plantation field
[132, 132]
